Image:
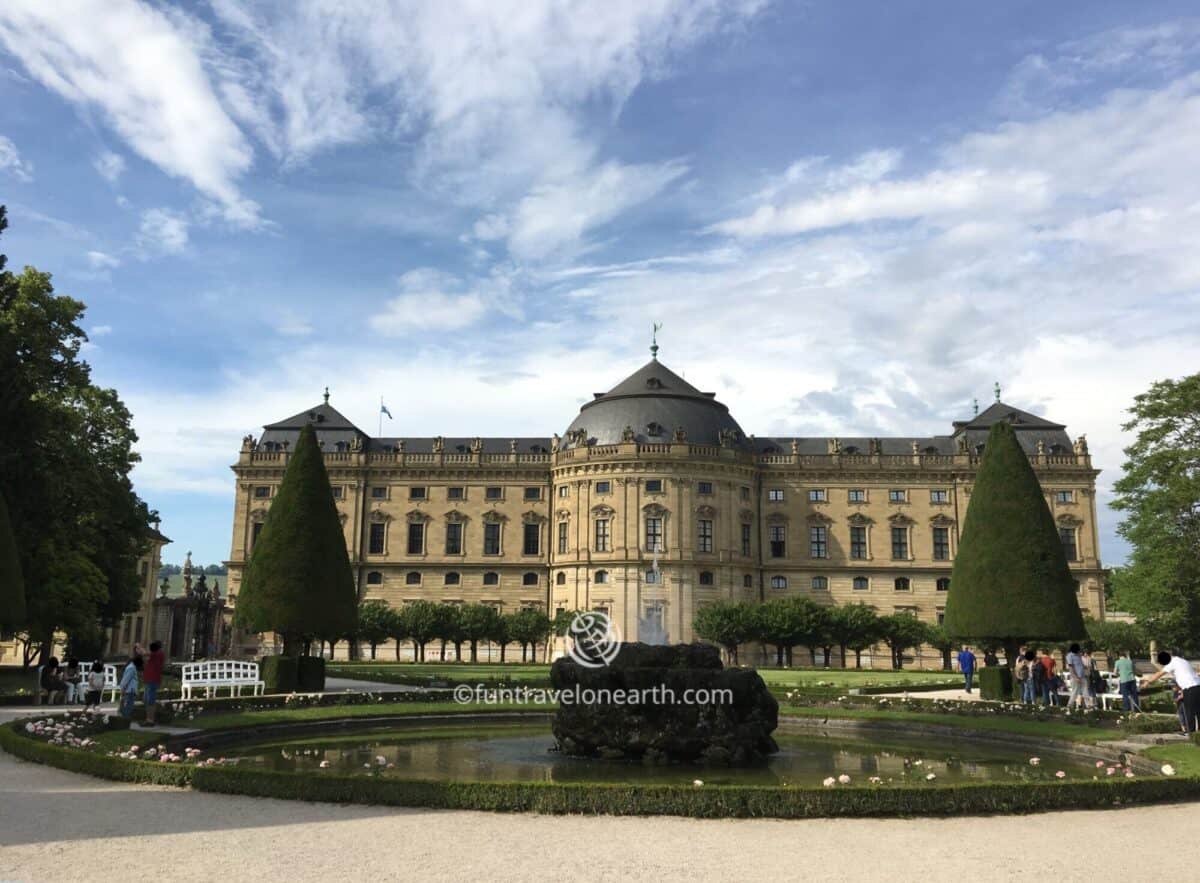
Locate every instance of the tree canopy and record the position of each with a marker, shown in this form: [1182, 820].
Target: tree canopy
[12, 585]
[298, 580]
[1011, 581]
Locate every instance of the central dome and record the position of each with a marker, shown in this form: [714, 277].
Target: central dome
[653, 402]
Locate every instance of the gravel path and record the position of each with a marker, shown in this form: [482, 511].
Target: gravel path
[58, 826]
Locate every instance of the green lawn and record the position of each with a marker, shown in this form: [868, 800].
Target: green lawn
[328, 712]
[790, 678]
[1041, 729]
[1185, 757]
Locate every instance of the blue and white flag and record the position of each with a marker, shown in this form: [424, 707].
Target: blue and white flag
[383, 410]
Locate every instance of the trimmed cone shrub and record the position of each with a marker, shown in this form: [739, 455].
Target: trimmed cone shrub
[12, 586]
[310, 674]
[279, 673]
[995, 682]
[298, 580]
[1010, 582]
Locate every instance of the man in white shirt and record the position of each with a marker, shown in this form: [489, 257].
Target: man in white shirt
[1187, 680]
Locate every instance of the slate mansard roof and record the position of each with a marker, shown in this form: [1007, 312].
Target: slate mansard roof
[653, 403]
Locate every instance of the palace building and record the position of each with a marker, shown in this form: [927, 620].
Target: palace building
[655, 502]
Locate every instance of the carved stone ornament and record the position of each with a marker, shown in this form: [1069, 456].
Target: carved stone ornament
[413, 517]
[860, 520]
[602, 511]
[1041, 446]
[532, 518]
[1069, 520]
[834, 445]
[555, 441]
[512, 445]
[439, 445]
[494, 517]
[565, 514]
[628, 435]
[1080, 445]
[259, 514]
[876, 446]
[746, 515]
[941, 520]
[819, 518]
[777, 518]
[900, 520]
[248, 443]
[356, 444]
[680, 434]
[653, 510]
[795, 447]
[378, 516]
[456, 517]
[706, 511]
[476, 445]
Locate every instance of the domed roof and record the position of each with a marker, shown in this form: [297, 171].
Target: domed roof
[654, 402]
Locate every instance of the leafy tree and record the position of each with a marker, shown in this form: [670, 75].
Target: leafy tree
[400, 629]
[502, 637]
[374, 623]
[1011, 582]
[423, 620]
[1114, 638]
[725, 624]
[12, 585]
[940, 638]
[1159, 494]
[853, 627]
[298, 578]
[529, 628]
[786, 622]
[901, 632]
[478, 623]
[449, 628]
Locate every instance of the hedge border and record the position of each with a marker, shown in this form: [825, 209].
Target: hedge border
[723, 801]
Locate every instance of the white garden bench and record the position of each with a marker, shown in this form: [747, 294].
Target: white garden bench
[214, 674]
[85, 669]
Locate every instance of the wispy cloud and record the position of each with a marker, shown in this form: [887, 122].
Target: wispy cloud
[11, 162]
[162, 231]
[110, 165]
[431, 300]
[99, 260]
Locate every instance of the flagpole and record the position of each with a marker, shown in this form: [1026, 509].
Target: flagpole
[380, 434]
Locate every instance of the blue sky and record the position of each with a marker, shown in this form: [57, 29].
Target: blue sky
[851, 217]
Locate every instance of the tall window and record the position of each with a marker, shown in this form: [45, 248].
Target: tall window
[704, 537]
[941, 544]
[491, 578]
[779, 582]
[1067, 535]
[818, 542]
[533, 540]
[943, 584]
[902, 584]
[861, 584]
[747, 581]
[858, 543]
[746, 528]
[652, 577]
[654, 535]
[856, 495]
[601, 544]
[491, 538]
[601, 577]
[775, 495]
[254, 532]
[562, 538]
[706, 578]
[416, 539]
[820, 583]
[560, 579]
[378, 533]
[778, 535]
[563, 491]
[745, 493]
[900, 543]
[454, 534]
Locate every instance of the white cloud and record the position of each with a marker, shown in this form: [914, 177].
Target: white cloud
[99, 260]
[11, 162]
[162, 231]
[289, 324]
[140, 67]
[100, 331]
[429, 302]
[110, 165]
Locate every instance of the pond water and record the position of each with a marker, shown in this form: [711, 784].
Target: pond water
[522, 753]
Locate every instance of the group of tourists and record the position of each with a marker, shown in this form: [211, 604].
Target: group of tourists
[149, 668]
[72, 682]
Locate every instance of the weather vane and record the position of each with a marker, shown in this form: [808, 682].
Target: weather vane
[654, 339]
[997, 390]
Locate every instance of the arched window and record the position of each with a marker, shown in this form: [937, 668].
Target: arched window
[374, 578]
[601, 577]
[820, 583]
[412, 578]
[453, 579]
[943, 584]
[706, 578]
[491, 578]
[779, 582]
[902, 584]
[560, 579]
[861, 584]
[529, 579]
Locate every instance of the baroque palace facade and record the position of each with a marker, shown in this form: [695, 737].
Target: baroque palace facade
[654, 503]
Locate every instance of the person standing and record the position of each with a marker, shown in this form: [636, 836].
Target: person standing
[1078, 674]
[152, 673]
[1186, 680]
[95, 685]
[966, 665]
[129, 685]
[1027, 670]
[1049, 688]
[1128, 684]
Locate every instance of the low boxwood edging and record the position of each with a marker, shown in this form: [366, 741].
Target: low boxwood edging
[104, 766]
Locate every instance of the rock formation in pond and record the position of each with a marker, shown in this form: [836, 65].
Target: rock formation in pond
[733, 732]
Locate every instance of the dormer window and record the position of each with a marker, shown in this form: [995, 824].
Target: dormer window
[850, 449]
[654, 383]
[654, 429]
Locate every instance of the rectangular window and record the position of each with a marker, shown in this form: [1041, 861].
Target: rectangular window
[818, 542]
[775, 495]
[941, 544]
[704, 537]
[1067, 535]
[704, 487]
[378, 533]
[856, 495]
[602, 535]
[456, 493]
[747, 581]
[255, 530]
[654, 536]
[746, 528]
[858, 543]
[533, 493]
[417, 493]
[454, 534]
[337, 492]
[127, 630]
[778, 534]
[779, 582]
[604, 487]
[416, 539]
[939, 496]
[137, 629]
[491, 538]
[900, 543]
[1064, 496]
[533, 540]
[746, 493]
[654, 486]
[706, 578]
[379, 493]
[652, 577]
[816, 495]
[563, 491]
[262, 491]
[897, 496]
[493, 493]
[562, 538]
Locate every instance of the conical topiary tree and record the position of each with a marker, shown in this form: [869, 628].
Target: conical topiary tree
[1011, 582]
[12, 586]
[298, 580]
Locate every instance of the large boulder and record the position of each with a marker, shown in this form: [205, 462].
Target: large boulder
[660, 726]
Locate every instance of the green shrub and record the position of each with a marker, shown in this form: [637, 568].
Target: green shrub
[310, 674]
[105, 766]
[1150, 723]
[116, 722]
[996, 682]
[279, 673]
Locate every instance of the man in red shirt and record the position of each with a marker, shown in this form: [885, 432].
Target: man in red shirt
[152, 677]
[1051, 681]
